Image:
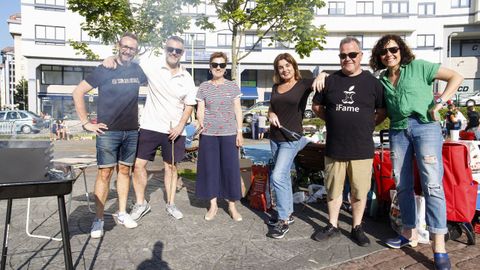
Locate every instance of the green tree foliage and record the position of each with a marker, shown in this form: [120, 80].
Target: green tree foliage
[285, 21]
[151, 20]
[20, 96]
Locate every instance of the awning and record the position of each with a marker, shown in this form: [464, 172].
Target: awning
[249, 92]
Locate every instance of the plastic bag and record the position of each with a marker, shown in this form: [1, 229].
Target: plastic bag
[396, 217]
[299, 197]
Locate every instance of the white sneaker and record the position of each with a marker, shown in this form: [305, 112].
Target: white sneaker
[125, 220]
[97, 228]
[140, 210]
[173, 211]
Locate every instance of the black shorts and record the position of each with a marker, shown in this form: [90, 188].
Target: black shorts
[149, 141]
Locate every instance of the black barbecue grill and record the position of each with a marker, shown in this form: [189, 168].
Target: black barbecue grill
[25, 172]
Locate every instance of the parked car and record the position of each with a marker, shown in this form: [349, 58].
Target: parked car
[25, 121]
[258, 107]
[472, 100]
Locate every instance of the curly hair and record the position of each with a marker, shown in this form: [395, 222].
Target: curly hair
[405, 52]
[289, 58]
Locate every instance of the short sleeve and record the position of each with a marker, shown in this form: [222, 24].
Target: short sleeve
[379, 95]
[430, 70]
[143, 77]
[236, 90]
[97, 76]
[190, 99]
[201, 92]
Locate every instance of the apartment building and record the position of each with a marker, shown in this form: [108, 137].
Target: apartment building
[441, 31]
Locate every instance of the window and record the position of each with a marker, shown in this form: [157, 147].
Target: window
[224, 40]
[63, 75]
[395, 8]
[250, 6]
[85, 37]
[250, 41]
[359, 37]
[364, 7]
[198, 9]
[58, 5]
[426, 9]
[336, 8]
[49, 35]
[425, 41]
[282, 44]
[460, 3]
[198, 40]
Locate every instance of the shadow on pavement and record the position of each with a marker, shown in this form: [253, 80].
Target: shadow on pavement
[156, 262]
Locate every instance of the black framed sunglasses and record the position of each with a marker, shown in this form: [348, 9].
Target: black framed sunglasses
[215, 65]
[291, 135]
[392, 50]
[351, 55]
[177, 50]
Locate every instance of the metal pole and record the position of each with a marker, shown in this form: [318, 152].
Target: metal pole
[193, 48]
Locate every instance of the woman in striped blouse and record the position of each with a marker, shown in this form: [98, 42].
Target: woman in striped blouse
[220, 117]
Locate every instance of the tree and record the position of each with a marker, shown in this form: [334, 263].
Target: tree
[20, 96]
[286, 21]
[151, 20]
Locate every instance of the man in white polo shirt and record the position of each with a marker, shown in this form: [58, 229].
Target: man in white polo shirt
[168, 107]
[169, 104]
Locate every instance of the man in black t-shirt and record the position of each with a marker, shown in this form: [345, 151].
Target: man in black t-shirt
[116, 128]
[351, 105]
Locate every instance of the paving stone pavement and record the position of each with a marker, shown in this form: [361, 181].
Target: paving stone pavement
[159, 242]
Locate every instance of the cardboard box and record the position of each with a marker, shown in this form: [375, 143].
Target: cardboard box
[246, 175]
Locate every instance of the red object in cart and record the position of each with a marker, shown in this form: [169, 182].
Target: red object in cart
[257, 196]
[458, 184]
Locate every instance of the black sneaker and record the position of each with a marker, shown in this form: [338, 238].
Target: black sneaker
[272, 222]
[358, 235]
[327, 232]
[279, 231]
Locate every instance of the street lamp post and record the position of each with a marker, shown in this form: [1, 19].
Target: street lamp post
[193, 48]
[454, 34]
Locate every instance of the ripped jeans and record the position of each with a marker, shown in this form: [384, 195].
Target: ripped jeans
[424, 143]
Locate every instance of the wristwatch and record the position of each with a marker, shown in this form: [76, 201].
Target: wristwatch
[439, 101]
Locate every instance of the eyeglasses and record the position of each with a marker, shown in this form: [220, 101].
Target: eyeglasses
[215, 65]
[177, 50]
[125, 47]
[392, 50]
[351, 55]
[291, 135]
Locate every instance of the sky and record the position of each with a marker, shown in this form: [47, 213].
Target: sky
[7, 8]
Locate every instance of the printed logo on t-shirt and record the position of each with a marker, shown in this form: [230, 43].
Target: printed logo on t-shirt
[347, 101]
[125, 80]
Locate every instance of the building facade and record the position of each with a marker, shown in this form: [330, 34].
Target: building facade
[441, 31]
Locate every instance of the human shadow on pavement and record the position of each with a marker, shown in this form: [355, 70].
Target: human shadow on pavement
[156, 262]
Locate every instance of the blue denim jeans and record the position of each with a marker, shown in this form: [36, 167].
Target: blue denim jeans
[424, 143]
[283, 154]
[116, 147]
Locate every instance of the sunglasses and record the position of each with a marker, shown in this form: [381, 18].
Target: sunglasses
[215, 65]
[291, 135]
[392, 50]
[351, 55]
[176, 50]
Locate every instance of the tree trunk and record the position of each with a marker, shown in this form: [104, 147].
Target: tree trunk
[235, 47]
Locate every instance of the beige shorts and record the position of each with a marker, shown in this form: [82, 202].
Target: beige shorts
[359, 173]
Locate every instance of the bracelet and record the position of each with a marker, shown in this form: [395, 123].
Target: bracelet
[240, 130]
[85, 123]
